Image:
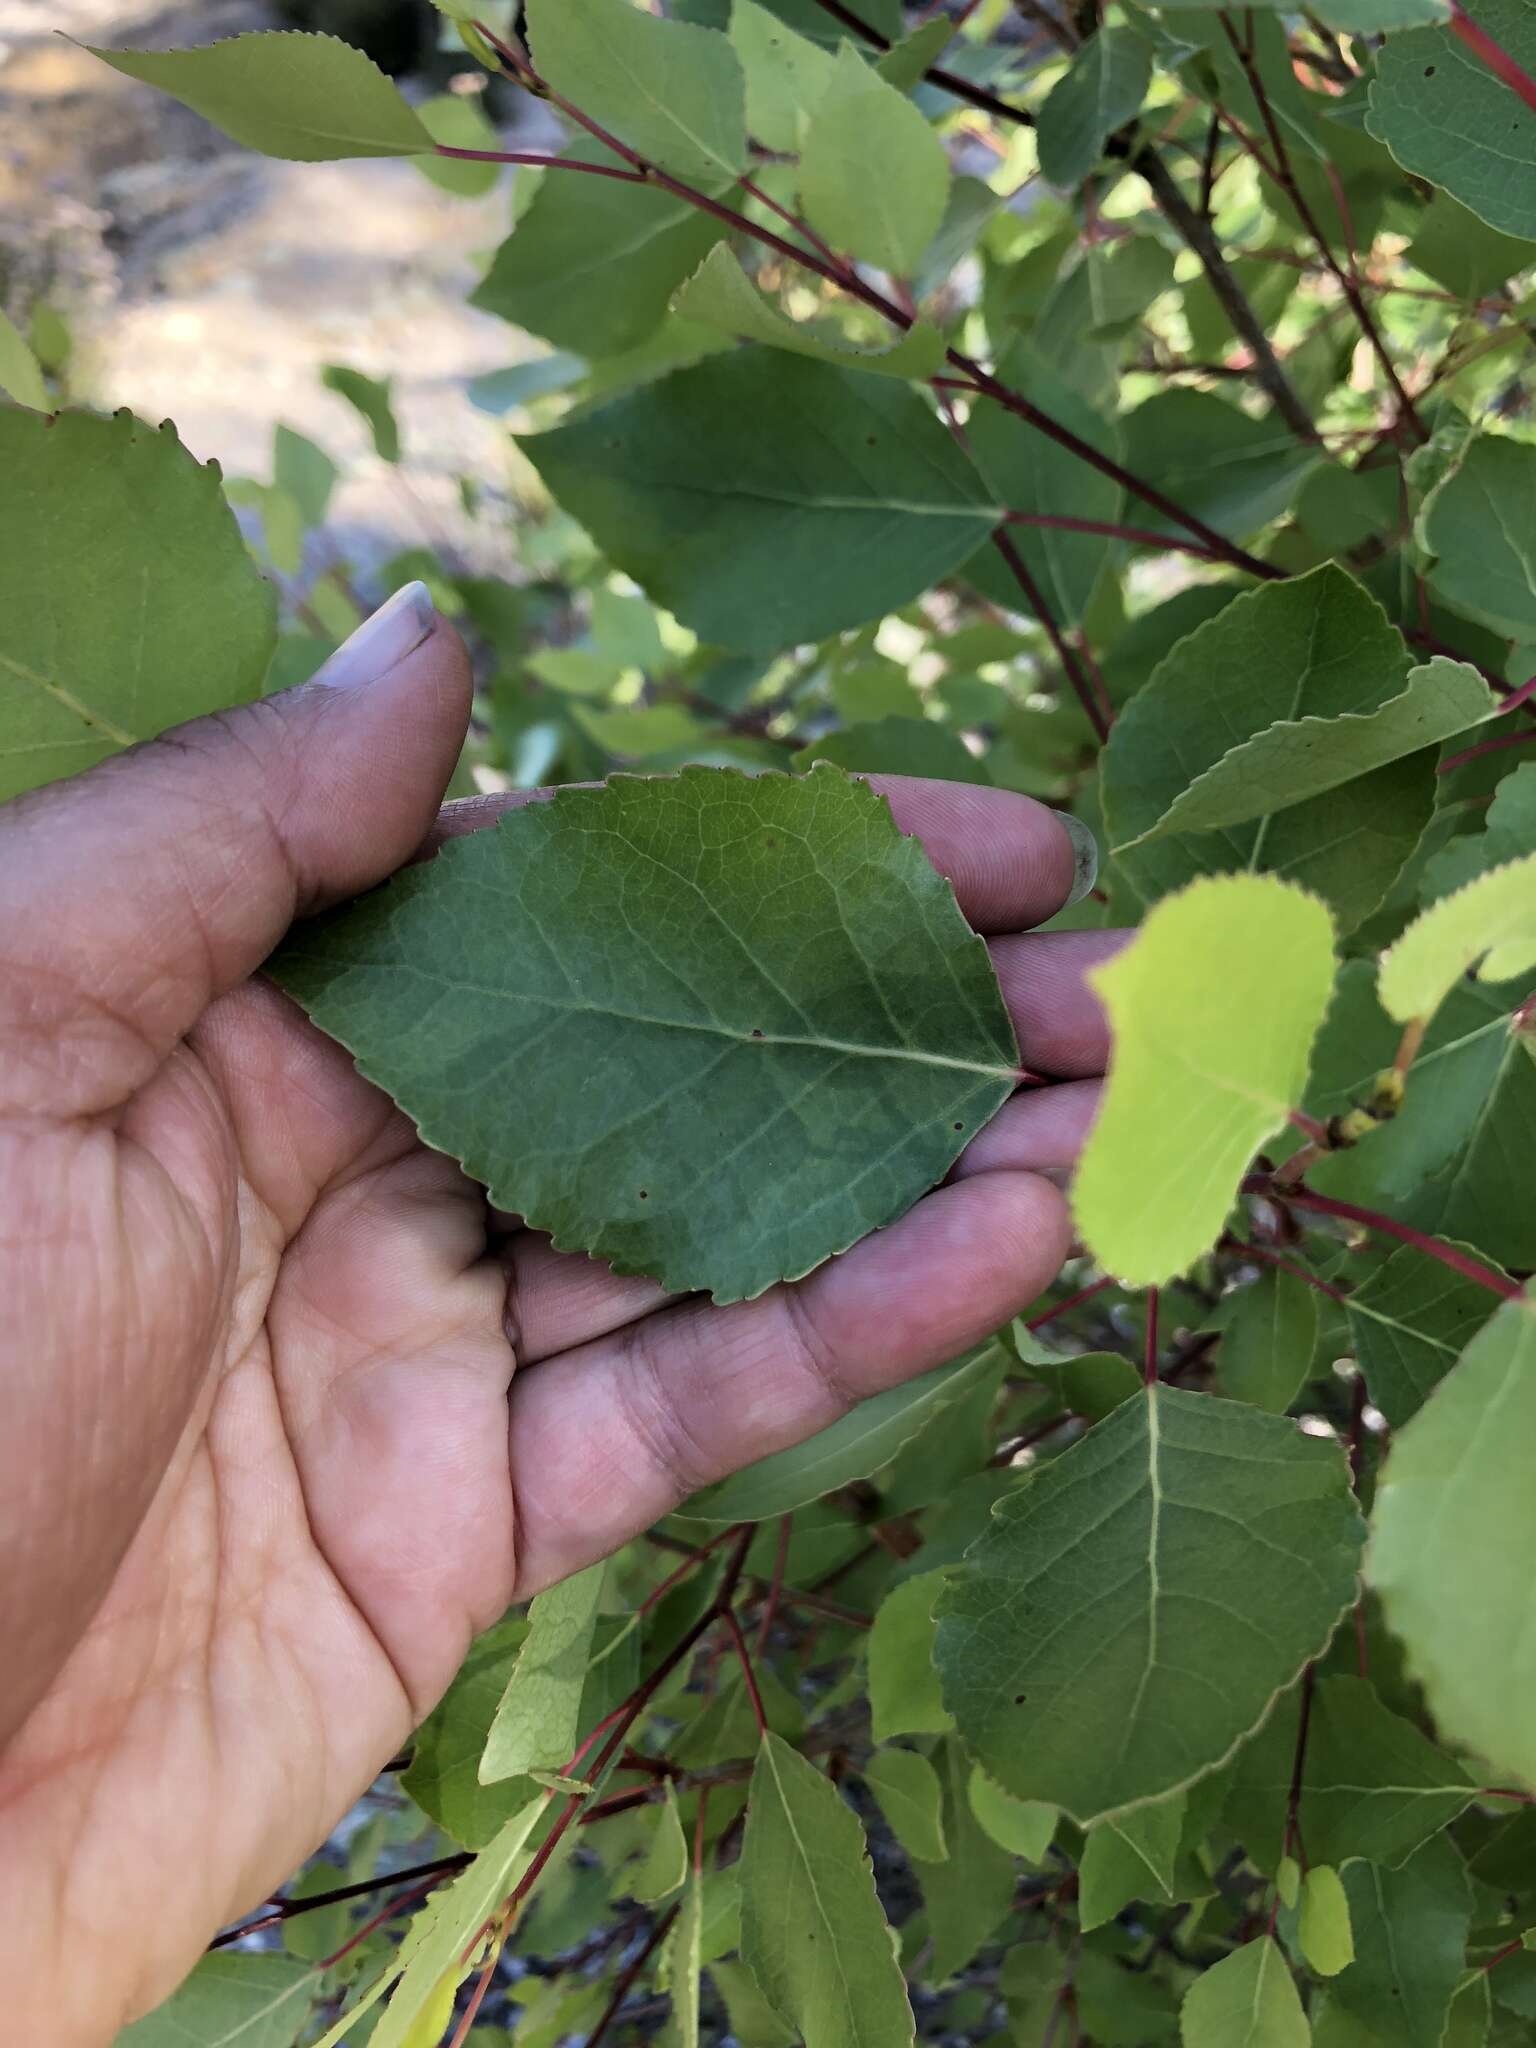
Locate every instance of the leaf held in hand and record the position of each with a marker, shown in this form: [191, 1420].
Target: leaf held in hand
[713, 1029]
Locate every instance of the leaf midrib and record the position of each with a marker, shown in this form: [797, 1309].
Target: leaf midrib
[71, 703]
[707, 1029]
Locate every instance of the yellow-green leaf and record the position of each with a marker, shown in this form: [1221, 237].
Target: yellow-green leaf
[1214, 1007]
[1323, 1929]
[20, 377]
[874, 177]
[1247, 2000]
[1492, 921]
[535, 1724]
[720, 294]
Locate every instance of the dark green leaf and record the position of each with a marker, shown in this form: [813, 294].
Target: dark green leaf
[1446, 116]
[898, 746]
[1411, 1319]
[1267, 1348]
[257, 2001]
[1410, 1929]
[717, 1034]
[1480, 524]
[1100, 91]
[370, 397]
[1078, 1644]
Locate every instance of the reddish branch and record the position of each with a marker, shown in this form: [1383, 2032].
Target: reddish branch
[951, 81]
[1432, 1247]
[1494, 55]
[1096, 706]
[623, 1987]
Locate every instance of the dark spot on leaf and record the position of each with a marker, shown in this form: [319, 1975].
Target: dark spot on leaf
[1429, 70]
[644, 1196]
[959, 1127]
[756, 1033]
[1018, 1699]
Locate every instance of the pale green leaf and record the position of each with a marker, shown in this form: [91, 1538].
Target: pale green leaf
[304, 472]
[1247, 2000]
[874, 177]
[1298, 758]
[1267, 1347]
[286, 93]
[680, 1966]
[1288, 1882]
[813, 1932]
[1130, 1856]
[1453, 1529]
[906, 63]
[20, 377]
[863, 1440]
[1221, 1548]
[128, 601]
[1210, 1055]
[1445, 116]
[459, 120]
[255, 2001]
[1410, 1320]
[1410, 1934]
[593, 263]
[1490, 924]
[1323, 1928]
[536, 1722]
[720, 294]
[1101, 89]
[766, 499]
[672, 92]
[449, 1922]
[907, 1790]
[904, 1694]
[665, 1867]
[1024, 1827]
[721, 1036]
[786, 74]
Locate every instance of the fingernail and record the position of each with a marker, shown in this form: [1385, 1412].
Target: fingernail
[1085, 858]
[395, 630]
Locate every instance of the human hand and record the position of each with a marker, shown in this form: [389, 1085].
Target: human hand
[266, 1469]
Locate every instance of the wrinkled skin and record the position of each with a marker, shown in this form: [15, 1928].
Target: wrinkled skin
[265, 1467]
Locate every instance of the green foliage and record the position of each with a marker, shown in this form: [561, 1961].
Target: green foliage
[1062, 459]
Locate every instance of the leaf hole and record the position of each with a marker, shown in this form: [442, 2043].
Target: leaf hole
[959, 1127]
[644, 1195]
[1429, 70]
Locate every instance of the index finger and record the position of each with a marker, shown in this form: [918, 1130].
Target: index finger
[1011, 861]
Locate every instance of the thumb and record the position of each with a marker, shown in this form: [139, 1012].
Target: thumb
[132, 895]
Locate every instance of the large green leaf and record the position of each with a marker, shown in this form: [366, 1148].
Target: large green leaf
[672, 92]
[721, 295]
[257, 2001]
[1297, 758]
[863, 1440]
[874, 177]
[1317, 647]
[1490, 925]
[1135, 1607]
[1480, 525]
[1410, 1320]
[286, 93]
[1447, 117]
[128, 601]
[1454, 1527]
[593, 263]
[765, 1102]
[1102, 88]
[812, 1930]
[1410, 1930]
[536, 1721]
[1247, 2000]
[1210, 1056]
[767, 499]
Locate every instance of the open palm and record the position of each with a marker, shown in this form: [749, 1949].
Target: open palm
[266, 1468]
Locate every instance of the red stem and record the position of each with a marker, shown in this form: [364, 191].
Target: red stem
[1262, 1252]
[1432, 1247]
[1497, 58]
[1493, 746]
[621, 1989]
[1149, 1366]
[542, 162]
[776, 1583]
[961, 88]
[744, 1655]
[1061, 1308]
[1100, 714]
[1142, 535]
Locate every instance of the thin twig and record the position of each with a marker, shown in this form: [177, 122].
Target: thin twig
[1099, 712]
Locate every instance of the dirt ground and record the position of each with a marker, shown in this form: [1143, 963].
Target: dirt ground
[207, 285]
